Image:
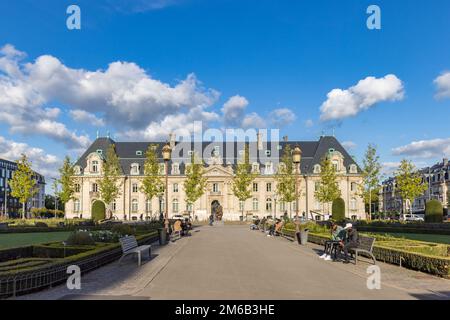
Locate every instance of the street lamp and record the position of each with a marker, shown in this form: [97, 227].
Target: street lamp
[296, 157]
[166, 153]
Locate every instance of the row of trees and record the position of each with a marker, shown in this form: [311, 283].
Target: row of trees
[409, 182]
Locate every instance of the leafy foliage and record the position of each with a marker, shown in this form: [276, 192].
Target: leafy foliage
[338, 209]
[328, 189]
[152, 184]
[195, 183]
[243, 178]
[80, 238]
[286, 177]
[409, 182]
[371, 177]
[98, 211]
[434, 211]
[22, 184]
[109, 184]
[66, 181]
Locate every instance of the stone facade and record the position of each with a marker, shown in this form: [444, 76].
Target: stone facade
[219, 170]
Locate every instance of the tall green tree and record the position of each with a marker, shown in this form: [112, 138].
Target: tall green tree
[23, 185]
[409, 183]
[195, 183]
[370, 185]
[66, 181]
[328, 189]
[152, 184]
[243, 179]
[285, 178]
[109, 185]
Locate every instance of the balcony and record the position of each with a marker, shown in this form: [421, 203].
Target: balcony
[215, 193]
[93, 194]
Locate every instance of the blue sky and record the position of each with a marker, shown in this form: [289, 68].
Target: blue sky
[141, 68]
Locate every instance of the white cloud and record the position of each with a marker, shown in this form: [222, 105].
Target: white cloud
[367, 93]
[43, 163]
[282, 117]
[424, 149]
[253, 120]
[349, 145]
[443, 85]
[234, 109]
[87, 117]
[309, 123]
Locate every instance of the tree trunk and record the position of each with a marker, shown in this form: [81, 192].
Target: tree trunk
[23, 211]
[370, 204]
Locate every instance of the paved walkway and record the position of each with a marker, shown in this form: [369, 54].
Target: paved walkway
[232, 262]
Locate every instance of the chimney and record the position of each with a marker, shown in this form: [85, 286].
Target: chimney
[445, 162]
[260, 140]
[285, 138]
[172, 138]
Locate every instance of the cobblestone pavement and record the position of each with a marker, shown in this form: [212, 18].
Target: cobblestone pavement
[232, 262]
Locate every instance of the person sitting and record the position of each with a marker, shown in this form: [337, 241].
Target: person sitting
[351, 241]
[262, 224]
[337, 235]
[278, 227]
[272, 225]
[177, 227]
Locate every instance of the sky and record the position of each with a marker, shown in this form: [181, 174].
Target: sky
[142, 69]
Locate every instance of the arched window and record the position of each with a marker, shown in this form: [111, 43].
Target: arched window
[269, 205]
[76, 205]
[317, 168]
[175, 187]
[135, 169]
[336, 165]
[134, 206]
[175, 205]
[255, 204]
[148, 205]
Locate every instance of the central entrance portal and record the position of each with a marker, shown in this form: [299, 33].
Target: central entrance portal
[216, 210]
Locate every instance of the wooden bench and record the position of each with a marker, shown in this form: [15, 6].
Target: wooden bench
[365, 247]
[130, 246]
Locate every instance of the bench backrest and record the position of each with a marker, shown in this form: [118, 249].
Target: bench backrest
[366, 243]
[128, 243]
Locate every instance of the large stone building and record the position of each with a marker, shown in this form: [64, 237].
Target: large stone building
[13, 206]
[437, 178]
[220, 159]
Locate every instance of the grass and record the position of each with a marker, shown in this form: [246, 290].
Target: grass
[436, 238]
[12, 240]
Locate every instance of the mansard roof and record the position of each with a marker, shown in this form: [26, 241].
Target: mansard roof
[312, 152]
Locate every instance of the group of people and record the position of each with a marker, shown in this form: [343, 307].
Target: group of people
[342, 239]
[274, 225]
[182, 226]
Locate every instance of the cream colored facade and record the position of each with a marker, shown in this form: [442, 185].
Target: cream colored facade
[133, 205]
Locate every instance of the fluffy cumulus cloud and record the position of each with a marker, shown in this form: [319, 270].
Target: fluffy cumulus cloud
[253, 120]
[349, 145]
[84, 116]
[45, 164]
[443, 85]
[367, 93]
[424, 149]
[282, 117]
[234, 110]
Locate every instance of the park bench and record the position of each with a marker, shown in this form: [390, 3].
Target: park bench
[365, 247]
[130, 246]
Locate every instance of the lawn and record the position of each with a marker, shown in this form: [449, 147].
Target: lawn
[11, 240]
[436, 238]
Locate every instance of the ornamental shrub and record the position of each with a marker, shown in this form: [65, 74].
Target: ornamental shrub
[338, 210]
[123, 229]
[80, 238]
[434, 211]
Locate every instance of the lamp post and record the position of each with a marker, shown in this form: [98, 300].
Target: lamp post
[166, 153]
[296, 157]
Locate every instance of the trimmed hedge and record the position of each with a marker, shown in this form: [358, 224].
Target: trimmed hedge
[338, 209]
[98, 211]
[434, 211]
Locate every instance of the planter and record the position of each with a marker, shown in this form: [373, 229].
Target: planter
[162, 236]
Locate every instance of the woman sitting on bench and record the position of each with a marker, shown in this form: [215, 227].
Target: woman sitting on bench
[337, 235]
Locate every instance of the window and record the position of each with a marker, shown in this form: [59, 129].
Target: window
[94, 166]
[162, 169]
[268, 153]
[353, 204]
[241, 206]
[189, 207]
[282, 206]
[317, 168]
[175, 205]
[317, 205]
[255, 168]
[269, 168]
[135, 169]
[255, 187]
[175, 168]
[135, 187]
[134, 206]
[353, 168]
[316, 186]
[100, 151]
[148, 206]
[269, 205]
[77, 187]
[216, 151]
[94, 187]
[255, 204]
[215, 187]
[139, 153]
[76, 205]
[269, 187]
[175, 187]
[353, 186]
[114, 206]
[335, 165]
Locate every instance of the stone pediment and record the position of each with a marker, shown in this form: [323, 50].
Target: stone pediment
[218, 171]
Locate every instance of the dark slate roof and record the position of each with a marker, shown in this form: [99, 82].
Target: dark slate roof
[312, 151]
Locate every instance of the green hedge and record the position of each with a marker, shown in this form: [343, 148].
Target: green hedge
[338, 209]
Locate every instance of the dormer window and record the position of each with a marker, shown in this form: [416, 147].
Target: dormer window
[162, 168]
[336, 165]
[139, 153]
[269, 168]
[216, 151]
[353, 168]
[94, 166]
[134, 169]
[317, 168]
[175, 168]
[99, 151]
[268, 153]
[255, 168]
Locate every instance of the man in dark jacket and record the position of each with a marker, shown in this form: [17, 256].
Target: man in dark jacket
[351, 241]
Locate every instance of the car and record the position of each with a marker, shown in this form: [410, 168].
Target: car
[412, 217]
